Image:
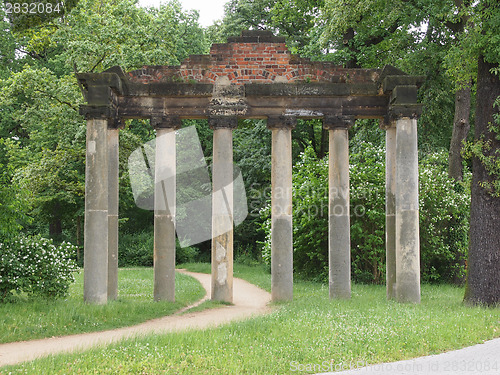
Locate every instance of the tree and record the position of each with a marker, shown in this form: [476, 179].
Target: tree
[13, 205]
[460, 65]
[483, 283]
[48, 162]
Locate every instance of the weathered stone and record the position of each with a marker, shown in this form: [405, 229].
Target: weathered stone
[412, 111]
[404, 95]
[281, 213]
[390, 211]
[164, 218]
[339, 243]
[103, 112]
[222, 211]
[113, 187]
[390, 82]
[164, 122]
[278, 122]
[331, 122]
[96, 213]
[407, 213]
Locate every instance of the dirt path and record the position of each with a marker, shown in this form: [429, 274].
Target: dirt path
[248, 300]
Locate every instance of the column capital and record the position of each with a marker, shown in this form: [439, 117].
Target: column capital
[115, 123]
[166, 122]
[98, 112]
[284, 121]
[400, 111]
[222, 122]
[403, 103]
[337, 122]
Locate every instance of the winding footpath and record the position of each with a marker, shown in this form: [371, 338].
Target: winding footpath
[248, 300]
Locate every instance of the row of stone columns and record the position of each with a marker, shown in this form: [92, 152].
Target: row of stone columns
[101, 210]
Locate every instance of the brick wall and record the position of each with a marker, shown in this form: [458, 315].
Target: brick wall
[255, 56]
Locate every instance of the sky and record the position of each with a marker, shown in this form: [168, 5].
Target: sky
[210, 10]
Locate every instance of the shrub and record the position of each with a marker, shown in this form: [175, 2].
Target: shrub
[444, 217]
[444, 220]
[37, 267]
[136, 250]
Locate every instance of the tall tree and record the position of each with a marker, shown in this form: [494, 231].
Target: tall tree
[483, 281]
[461, 66]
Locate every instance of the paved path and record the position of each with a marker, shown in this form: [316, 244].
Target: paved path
[248, 300]
[483, 359]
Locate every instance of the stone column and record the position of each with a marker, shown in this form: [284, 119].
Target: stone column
[113, 188]
[95, 285]
[164, 217]
[339, 233]
[281, 208]
[222, 208]
[390, 210]
[407, 214]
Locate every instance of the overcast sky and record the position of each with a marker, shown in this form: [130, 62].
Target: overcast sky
[210, 10]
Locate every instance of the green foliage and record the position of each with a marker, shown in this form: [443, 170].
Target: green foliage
[488, 155]
[13, 204]
[98, 35]
[252, 155]
[444, 220]
[45, 142]
[367, 200]
[29, 15]
[444, 212]
[296, 20]
[35, 266]
[136, 250]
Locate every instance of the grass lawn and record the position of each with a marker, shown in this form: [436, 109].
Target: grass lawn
[32, 319]
[310, 330]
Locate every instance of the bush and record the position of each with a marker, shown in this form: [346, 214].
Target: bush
[137, 249]
[37, 267]
[444, 217]
[444, 220]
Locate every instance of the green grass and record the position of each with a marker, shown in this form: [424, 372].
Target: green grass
[32, 319]
[310, 330]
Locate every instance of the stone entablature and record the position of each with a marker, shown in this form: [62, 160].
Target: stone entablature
[251, 76]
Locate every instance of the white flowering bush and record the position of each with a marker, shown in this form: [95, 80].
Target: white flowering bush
[36, 267]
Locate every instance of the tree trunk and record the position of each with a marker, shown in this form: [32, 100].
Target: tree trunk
[483, 280]
[348, 41]
[323, 143]
[461, 126]
[55, 228]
